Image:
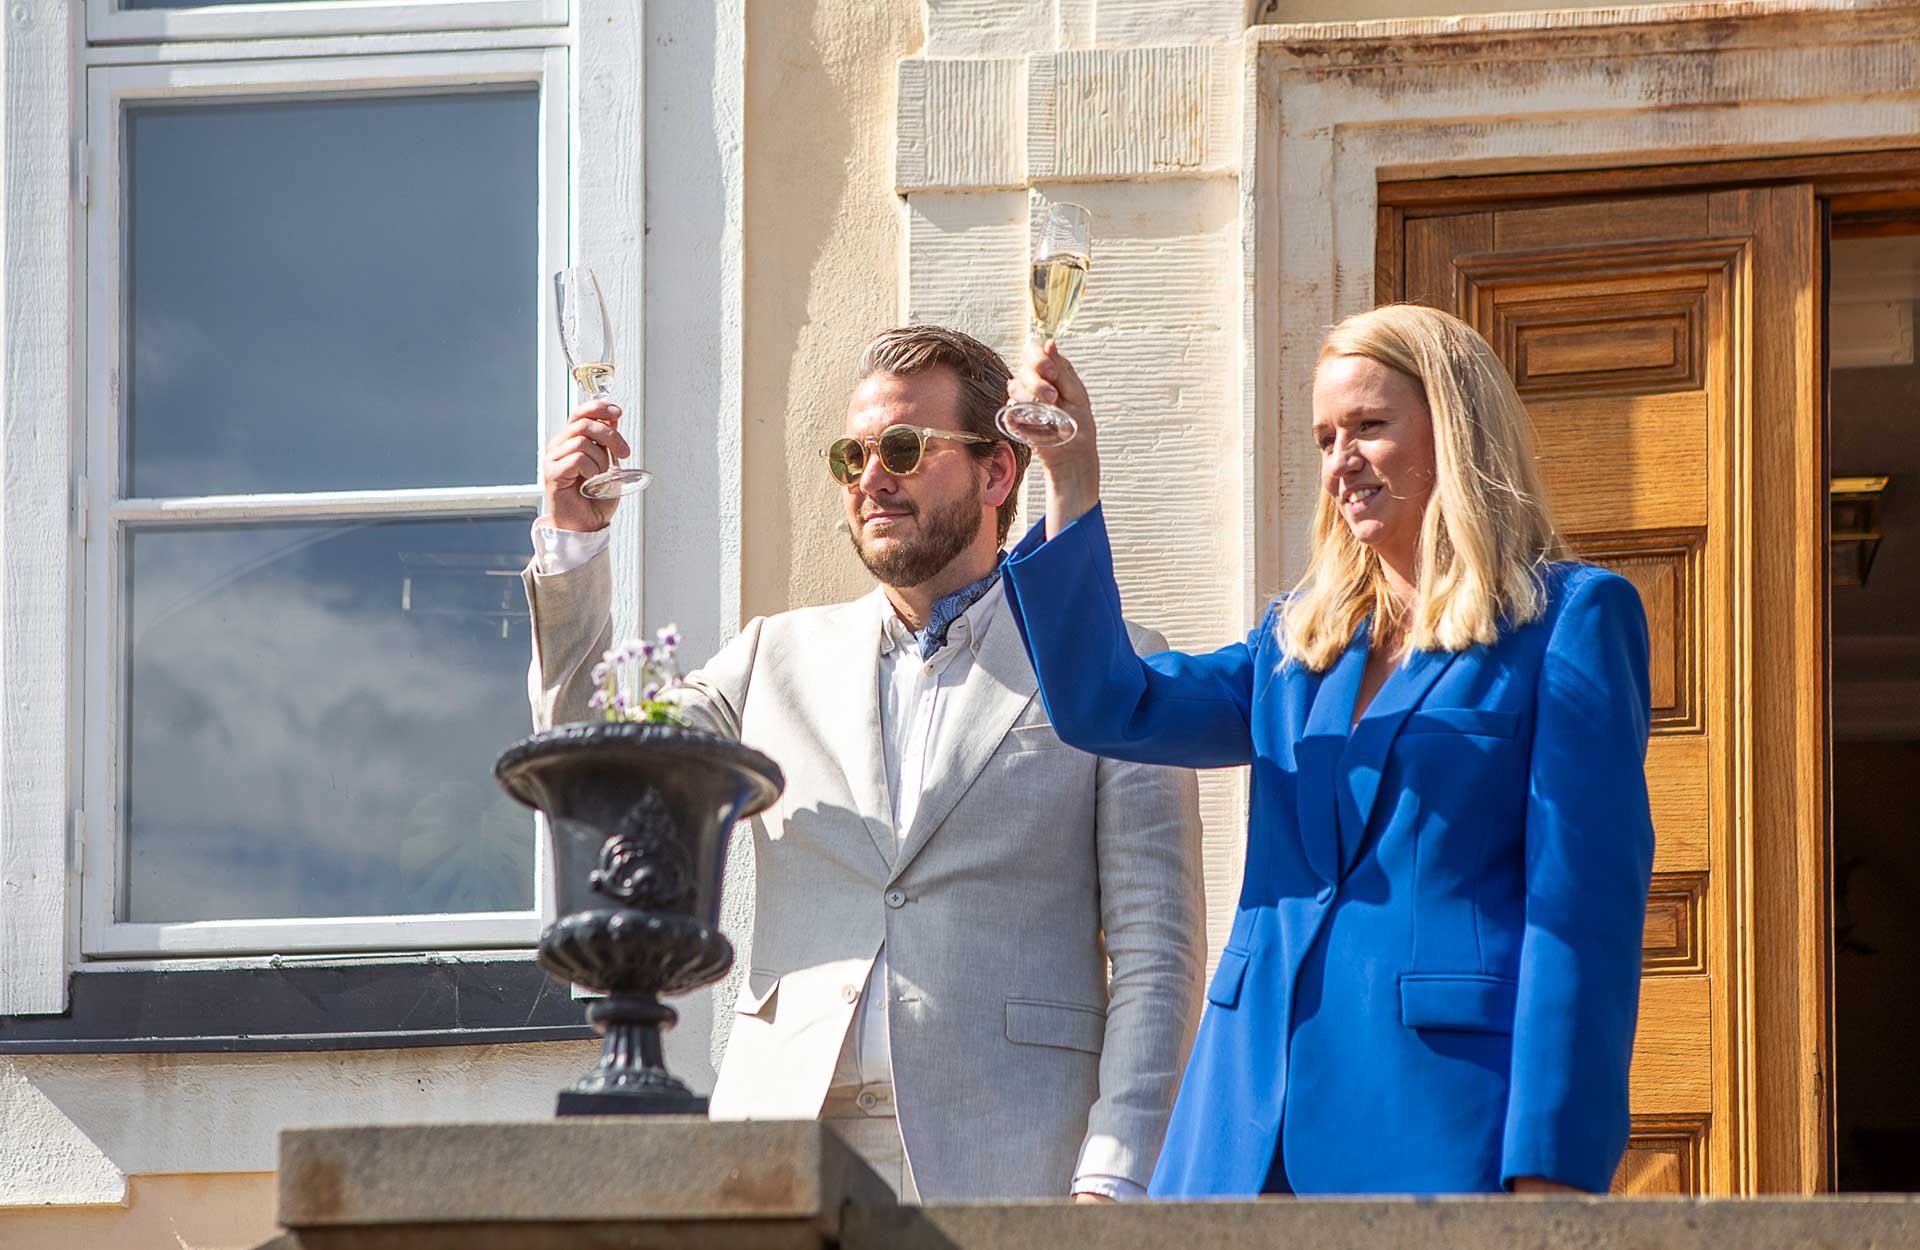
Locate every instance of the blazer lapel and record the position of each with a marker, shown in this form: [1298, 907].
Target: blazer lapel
[984, 708]
[1365, 759]
[847, 662]
[1317, 757]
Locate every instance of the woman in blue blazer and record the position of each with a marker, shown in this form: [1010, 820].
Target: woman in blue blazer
[1433, 974]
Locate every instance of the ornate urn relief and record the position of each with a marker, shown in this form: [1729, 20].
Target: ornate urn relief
[639, 817]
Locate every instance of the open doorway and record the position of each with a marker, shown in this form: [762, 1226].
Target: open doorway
[1874, 458]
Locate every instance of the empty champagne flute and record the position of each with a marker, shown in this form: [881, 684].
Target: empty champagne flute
[586, 335]
[1062, 254]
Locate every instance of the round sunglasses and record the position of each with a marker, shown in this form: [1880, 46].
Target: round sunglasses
[900, 448]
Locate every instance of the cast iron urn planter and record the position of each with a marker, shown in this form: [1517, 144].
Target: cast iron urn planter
[639, 817]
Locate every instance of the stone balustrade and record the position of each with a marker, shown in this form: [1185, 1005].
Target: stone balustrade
[637, 1184]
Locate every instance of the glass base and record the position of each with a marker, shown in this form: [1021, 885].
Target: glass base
[615, 482]
[1036, 424]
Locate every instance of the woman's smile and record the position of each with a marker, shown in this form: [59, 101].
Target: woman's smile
[1358, 501]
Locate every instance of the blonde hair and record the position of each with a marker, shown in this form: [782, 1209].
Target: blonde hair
[1486, 532]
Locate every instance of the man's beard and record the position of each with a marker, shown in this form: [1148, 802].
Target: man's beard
[945, 532]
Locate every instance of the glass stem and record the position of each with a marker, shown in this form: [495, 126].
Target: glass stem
[600, 390]
[1035, 334]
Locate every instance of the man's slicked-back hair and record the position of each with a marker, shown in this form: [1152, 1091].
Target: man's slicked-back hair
[908, 350]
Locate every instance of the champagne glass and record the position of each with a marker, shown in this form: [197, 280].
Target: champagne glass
[586, 335]
[1062, 253]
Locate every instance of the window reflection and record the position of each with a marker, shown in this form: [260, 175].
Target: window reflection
[334, 294]
[313, 715]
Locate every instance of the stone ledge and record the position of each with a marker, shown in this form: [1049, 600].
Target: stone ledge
[569, 1182]
[1864, 1223]
[639, 1183]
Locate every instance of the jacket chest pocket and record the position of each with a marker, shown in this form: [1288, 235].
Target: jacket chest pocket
[1460, 758]
[1477, 722]
[1022, 739]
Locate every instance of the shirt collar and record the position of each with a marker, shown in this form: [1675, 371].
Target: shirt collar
[946, 611]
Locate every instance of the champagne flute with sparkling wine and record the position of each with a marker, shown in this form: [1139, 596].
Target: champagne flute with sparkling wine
[1062, 253]
[586, 335]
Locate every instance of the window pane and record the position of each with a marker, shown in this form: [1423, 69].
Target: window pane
[332, 294]
[313, 714]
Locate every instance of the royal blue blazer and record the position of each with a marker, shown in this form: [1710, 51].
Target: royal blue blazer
[1433, 975]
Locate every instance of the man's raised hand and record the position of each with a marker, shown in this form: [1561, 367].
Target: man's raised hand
[590, 442]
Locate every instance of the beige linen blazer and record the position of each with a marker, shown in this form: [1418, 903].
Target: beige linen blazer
[1018, 1061]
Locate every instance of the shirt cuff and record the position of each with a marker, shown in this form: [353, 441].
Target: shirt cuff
[557, 551]
[1119, 1188]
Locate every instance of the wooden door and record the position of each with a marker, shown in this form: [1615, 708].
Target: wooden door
[1668, 348]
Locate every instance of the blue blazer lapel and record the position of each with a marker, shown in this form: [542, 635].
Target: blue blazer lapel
[1372, 739]
[1317, 757]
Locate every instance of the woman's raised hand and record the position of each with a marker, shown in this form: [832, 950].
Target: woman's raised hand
[1072, 468]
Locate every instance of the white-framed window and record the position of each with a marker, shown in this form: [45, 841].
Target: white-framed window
[141, 21]
[316, 375]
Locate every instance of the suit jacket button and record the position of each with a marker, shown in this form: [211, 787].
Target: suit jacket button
[896, 898]
[1325, 895]
[850, 993]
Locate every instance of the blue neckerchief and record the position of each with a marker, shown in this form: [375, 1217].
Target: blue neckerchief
[947, 610]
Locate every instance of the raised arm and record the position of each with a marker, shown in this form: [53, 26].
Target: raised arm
[570, 591]
[1167, 708]
[573, 628]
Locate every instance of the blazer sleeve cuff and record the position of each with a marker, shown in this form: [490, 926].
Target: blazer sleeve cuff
[1104, 1156]
[1118, 1188]
[557, 551]
[1551, 1151]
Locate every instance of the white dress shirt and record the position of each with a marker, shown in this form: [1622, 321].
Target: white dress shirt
[914, 697]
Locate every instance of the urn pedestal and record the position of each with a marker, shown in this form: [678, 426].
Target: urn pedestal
[639, 817]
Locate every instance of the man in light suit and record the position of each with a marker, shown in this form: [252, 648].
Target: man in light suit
[940, 889]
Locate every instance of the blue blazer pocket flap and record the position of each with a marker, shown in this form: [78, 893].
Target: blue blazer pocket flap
[1463, 720]
[1034, 1022]
[1469, 1002]
[1224, 991]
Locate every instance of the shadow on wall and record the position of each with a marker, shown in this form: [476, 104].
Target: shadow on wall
[822, 241]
